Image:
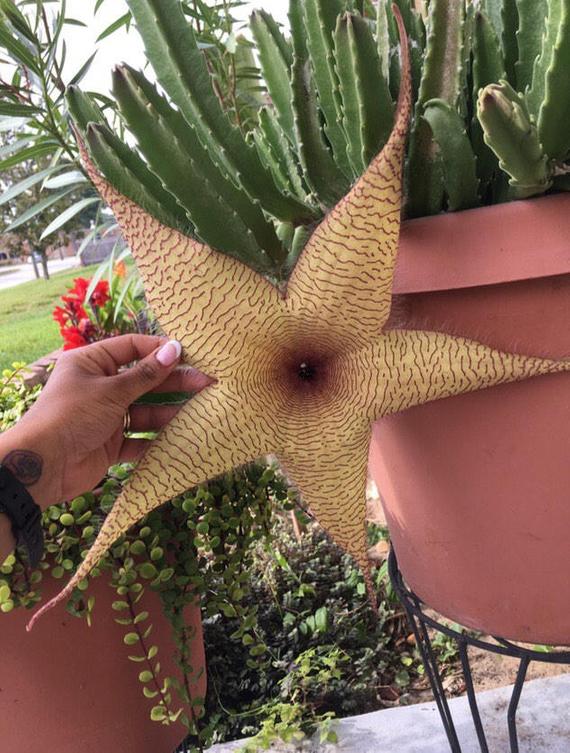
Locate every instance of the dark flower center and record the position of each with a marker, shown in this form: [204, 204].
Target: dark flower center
[307, 371]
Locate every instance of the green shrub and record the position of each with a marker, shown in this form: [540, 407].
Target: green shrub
[310, 601]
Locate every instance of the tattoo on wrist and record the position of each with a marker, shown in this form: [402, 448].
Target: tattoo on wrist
[25, 465]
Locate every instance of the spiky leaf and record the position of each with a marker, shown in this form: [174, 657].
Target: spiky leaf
[276, 60]
[554, 113]
[531, 27]
[322, 174]
[222, 213]
[367, 109]
[510, 23]
[544, 62]
[279, 153]
[457, 157]
[180, 66]
[319, 24]
[121, 164]
[488, 68]
[441, 79]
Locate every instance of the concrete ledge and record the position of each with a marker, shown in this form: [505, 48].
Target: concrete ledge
[543, 724]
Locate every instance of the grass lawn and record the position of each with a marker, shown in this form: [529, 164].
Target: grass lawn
[27, 330]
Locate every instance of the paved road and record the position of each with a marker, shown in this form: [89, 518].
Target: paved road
[25, 272]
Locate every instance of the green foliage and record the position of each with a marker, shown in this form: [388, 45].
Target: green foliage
[326, 653]
[187, 170]
[458, 162]
[322, 174]
[182, 70]
[15, 395]
[286, 718]
[320, 18]
[441, 79]
[274, 132]
[367, 103]
[276, 58]
[32, 111]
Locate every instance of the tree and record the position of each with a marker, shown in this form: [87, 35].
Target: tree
[23, 227]
[45, 188]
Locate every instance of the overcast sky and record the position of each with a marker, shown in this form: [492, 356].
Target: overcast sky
[121, 46]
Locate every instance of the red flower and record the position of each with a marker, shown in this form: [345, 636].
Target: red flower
[74, 306]
[60, 315]
[80, 288]
[75, 319]
[72, 338]
[100, 295]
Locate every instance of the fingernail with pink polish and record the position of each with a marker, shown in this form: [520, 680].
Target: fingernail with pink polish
[169, 353]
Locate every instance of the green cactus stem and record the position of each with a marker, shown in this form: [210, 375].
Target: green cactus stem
[553, 25]
[368, 111]
[276, 59]
[510, 21]
[279, 154]
[554, 113]
[181, 69]
[488, 68]
[187, 171]
[322, 174]
[457, 157]
[494, 11]
[123, 165]
[531, 28]
[512, 135]
[319, 25]
[441, 79]
[488, 59]
[131, 173]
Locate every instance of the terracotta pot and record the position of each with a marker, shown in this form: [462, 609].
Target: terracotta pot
[476, 488]
[66, 687]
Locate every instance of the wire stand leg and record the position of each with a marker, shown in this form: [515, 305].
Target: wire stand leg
[468, 677]
[513, 706]
[430, 664]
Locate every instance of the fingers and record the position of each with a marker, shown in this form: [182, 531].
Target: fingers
[151, 417]
[133, 450]
[115, 352]
[148, 373]
[184, 379]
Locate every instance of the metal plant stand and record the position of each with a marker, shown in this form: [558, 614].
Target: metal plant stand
[421, 622]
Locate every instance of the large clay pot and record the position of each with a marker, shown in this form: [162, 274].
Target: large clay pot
[476, 488]
[67, 687]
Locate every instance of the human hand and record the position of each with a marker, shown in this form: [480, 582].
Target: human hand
[75, 431]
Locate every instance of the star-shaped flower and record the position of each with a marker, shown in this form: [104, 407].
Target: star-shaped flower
[300, 374]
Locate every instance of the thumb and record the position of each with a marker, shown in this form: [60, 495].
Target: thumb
[149, 372]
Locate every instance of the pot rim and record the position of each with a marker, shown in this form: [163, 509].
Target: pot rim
[519, 240]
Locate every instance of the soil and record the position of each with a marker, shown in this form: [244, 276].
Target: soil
[489, 671]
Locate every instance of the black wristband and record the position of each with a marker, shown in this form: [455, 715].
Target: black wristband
[24, 514]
